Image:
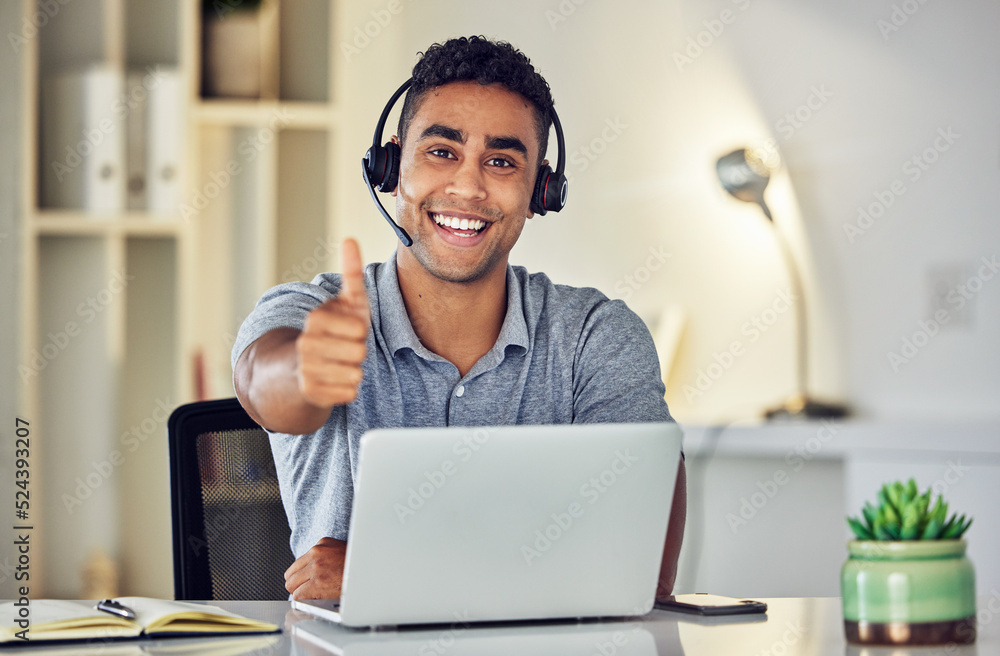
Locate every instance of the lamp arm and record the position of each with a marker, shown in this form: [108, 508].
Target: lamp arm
[802, 327]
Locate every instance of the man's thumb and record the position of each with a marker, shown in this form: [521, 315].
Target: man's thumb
[352, 276]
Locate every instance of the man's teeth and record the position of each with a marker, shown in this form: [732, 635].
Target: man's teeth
[457, 223]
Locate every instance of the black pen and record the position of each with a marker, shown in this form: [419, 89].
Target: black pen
[115, 608]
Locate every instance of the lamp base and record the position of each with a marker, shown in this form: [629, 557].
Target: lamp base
[803, 407]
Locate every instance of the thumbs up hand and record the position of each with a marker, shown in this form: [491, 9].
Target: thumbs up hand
[331, 346]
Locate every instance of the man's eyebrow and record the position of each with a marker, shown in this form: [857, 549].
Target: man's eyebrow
[443, 131]
[507, 143]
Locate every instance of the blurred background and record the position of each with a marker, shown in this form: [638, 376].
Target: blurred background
[163, 162]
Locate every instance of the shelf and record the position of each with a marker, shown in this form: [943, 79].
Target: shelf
[120, 305]
[264, 113]
[62, 222]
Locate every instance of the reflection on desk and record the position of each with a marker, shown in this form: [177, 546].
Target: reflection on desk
[792, 627]
[214, 646]
[618, 638]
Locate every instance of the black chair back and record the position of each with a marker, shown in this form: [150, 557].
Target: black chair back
[230, 533]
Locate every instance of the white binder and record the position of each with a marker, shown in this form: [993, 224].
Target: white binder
[165, 142]
[155, 139]
[83, 140]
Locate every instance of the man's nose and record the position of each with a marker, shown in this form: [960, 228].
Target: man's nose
[468, 181]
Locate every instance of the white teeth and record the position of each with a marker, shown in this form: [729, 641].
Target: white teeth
[456, 223]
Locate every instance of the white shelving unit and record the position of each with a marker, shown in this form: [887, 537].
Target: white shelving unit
[127, 304]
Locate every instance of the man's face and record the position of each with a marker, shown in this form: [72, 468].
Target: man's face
[467, 171]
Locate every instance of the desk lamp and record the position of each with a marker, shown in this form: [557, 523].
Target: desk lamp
[745, 175]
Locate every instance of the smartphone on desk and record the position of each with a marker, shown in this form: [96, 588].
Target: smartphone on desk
[709, 604]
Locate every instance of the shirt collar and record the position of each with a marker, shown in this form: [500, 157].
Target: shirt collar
[398, 332]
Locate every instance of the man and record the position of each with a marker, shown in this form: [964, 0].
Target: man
[445, 332]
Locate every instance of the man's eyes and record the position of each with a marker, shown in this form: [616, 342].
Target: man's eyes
[500, 162]
[497, 161]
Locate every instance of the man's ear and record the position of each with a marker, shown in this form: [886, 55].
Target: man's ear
[396, 141]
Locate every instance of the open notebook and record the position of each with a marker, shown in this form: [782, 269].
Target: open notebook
[52, 619]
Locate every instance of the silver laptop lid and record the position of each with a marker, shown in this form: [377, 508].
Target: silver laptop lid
[507, 523]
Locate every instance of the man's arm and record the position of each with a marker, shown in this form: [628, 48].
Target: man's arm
[675, 535]
[319, 572]
[289, 380]
[267, 385]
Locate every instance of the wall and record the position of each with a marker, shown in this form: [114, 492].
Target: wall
[898, 83]
[677, 105]
[11, 185]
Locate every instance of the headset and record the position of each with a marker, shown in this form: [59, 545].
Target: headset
[380, 169]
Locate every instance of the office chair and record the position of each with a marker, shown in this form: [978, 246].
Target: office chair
[230, 533]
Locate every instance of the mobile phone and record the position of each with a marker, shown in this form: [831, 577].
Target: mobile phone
[710, 604]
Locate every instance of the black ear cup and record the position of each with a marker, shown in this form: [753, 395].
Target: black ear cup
[382, 163]
[550, 192]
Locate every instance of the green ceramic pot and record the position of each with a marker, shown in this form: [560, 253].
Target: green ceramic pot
[909, 592]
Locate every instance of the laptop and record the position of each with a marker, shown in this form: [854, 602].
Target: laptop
[488, 524]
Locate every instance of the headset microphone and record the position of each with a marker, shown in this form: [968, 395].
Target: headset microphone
[380, 169]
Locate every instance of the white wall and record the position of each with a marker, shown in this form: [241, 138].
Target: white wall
[893, 90]
[880, 101]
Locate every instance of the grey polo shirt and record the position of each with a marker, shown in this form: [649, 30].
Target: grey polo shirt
[564, 355]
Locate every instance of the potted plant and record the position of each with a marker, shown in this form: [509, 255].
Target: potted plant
[907, 580]
[239, 48]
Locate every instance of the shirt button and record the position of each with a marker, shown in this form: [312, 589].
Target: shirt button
[460, 391]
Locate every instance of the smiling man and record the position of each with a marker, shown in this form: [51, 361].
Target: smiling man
[446, 332]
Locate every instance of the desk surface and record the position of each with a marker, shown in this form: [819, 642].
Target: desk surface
[792, 627]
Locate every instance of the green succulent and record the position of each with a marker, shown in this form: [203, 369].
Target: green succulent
[904, 514]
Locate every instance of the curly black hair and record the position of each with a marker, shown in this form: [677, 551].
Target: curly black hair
[486, 62]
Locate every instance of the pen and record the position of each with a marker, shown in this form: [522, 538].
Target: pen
[115, 608]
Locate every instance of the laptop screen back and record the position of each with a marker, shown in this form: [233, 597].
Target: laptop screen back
[507, 523]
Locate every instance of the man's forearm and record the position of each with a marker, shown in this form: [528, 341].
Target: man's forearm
[675, 535]
[267, 385]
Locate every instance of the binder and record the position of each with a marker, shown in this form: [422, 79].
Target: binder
[137, 102]
[155, 139]
[165, 141]
[83, 140]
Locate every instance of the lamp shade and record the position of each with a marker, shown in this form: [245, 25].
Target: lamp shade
[744, 176]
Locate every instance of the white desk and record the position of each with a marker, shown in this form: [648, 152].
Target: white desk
[766, 504]
[792, 627]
